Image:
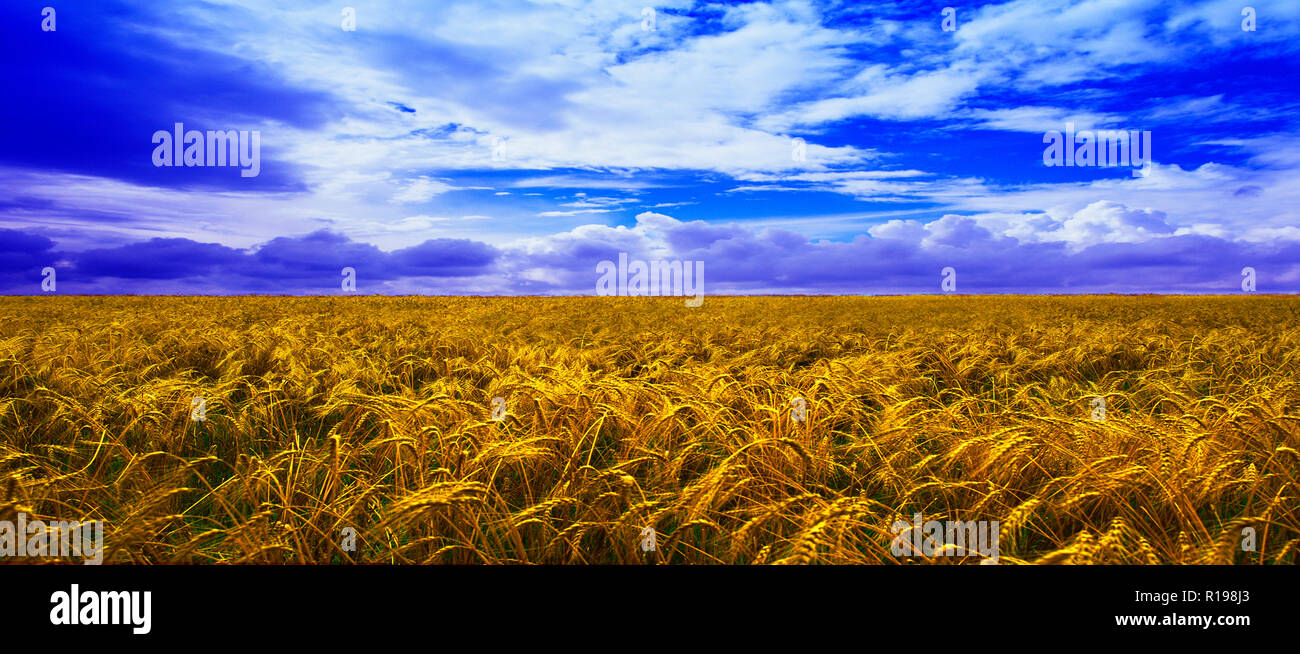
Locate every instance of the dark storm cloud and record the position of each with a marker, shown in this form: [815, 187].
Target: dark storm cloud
[158, 258]
[288, 264]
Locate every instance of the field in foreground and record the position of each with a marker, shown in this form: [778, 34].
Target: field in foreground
[377, 414]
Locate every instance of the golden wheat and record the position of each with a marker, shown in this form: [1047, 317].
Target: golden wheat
[378, 415]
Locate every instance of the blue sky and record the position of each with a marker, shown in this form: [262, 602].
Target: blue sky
[665, 131]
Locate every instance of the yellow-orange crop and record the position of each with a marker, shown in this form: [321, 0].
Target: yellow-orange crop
[322, 417]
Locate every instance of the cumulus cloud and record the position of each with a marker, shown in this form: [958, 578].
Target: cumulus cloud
[905, 256]
[1104, 247]
[1110, 222]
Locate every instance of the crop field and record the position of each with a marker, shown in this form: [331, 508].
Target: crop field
[763, 430]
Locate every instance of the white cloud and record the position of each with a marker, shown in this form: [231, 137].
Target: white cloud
[1039, 119]
[422, 190]
[888, 96]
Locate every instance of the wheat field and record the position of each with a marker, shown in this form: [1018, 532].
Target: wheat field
[376, 415]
